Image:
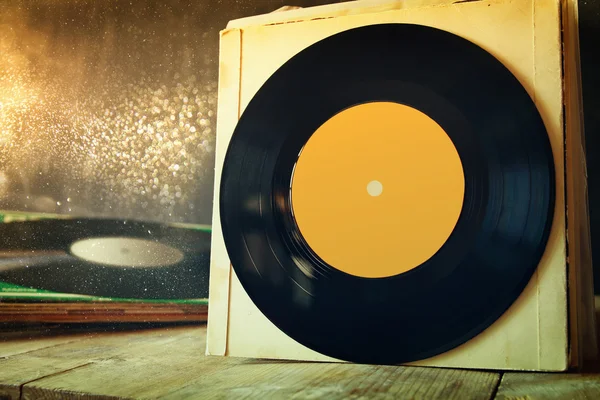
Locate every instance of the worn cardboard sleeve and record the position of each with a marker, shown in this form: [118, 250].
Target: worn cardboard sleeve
[550, 326]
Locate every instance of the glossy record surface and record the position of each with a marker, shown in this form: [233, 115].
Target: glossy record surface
[38, 254]
[498, 240]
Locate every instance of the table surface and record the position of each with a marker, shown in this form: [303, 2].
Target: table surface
[170, 363]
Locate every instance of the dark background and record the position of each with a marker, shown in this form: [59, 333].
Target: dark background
[589, 31]
[84, 85]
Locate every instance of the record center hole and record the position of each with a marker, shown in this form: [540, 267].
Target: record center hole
[374, 188]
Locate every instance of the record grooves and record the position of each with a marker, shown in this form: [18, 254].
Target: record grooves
[488, 259]
[42, 258]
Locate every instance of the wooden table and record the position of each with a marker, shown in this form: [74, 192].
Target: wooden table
[170, 363]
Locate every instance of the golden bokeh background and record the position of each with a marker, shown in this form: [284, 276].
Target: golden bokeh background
[108, 108]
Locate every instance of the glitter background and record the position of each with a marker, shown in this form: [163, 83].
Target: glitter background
[108, 108]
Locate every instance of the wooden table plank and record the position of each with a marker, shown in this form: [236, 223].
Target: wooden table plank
[80, 350]
[14, 347]
[173, 365]
[256, 380]
[563, 386]
[17, 371]
[137, 378]
[186, 378]
[149, 344]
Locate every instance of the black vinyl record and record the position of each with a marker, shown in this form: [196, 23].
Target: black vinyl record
[491, 254]
[173, 262]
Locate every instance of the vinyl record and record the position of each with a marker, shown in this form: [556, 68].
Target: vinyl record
[490, 254]
[108, 258]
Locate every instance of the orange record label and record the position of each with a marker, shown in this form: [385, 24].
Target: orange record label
[377, 190]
